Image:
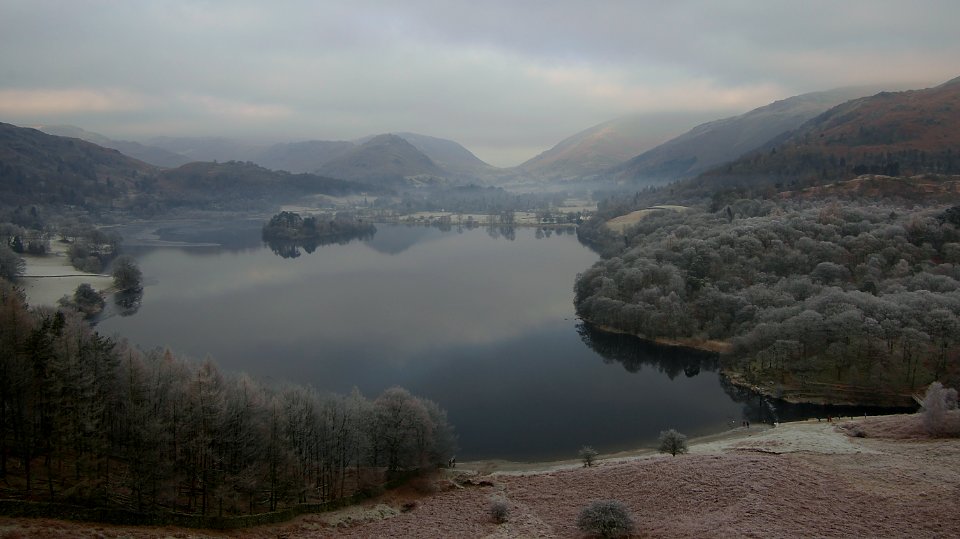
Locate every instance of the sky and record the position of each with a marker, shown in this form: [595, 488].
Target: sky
[507, 79]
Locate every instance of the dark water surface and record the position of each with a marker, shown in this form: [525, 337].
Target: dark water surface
[482, 325]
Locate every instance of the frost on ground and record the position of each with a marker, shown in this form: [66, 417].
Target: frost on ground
[862, 478]
[48, 278]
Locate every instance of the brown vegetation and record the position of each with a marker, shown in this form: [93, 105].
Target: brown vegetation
[805, 479]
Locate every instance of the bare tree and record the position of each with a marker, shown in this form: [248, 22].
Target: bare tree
[587, 455]
[672, 442]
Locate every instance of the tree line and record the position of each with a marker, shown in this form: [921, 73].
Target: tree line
[92, 420]
[806, 292]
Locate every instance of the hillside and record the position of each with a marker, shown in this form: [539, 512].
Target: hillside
[892, 133]
[305, 156]
[384, 158]
[148, 154]
[608, 144]
[41, 169]
[448, 155]
[236, 184]
[37, 168]
[724, 140]
[209, 148]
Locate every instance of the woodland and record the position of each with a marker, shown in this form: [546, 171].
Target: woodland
[90, 420]
[853, 301]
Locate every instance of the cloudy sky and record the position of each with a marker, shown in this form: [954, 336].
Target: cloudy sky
[505, 78]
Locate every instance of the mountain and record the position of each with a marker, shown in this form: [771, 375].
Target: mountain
[237, 184]
[384, 158]
[306, 156]
[41, 169]
[446, 154]
[313, 155]
[608, 144]
[720, 141]
[209, 148]
[37, 168]
[148, 154]
[891, 133]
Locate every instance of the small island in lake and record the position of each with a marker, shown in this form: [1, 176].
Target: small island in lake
[287, 231]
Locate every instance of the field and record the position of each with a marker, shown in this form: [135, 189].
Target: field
[50, 277]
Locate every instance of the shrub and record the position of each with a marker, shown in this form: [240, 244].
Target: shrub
[606, 518]
[672, 442]
[85, 299]
[587, 455]
[499, 511]
[936, 402]
[126, 274]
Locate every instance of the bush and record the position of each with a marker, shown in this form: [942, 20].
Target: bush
[606, 518]
[500, 511]
[126, 274]
[587, 455]
[672, 442]
[936, 402]
[85, 299]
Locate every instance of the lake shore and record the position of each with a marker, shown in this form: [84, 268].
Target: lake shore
[808, 393]
[49, 277]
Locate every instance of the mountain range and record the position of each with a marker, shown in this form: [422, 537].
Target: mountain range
[720, 141]
[598, 148]
[891, 133]
[153, 155]
[802, 140]
[38, 168]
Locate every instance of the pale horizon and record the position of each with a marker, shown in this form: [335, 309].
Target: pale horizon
[506, 81]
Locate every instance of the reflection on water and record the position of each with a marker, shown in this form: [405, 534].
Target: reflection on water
[128, 302]
[483, 326]
[292, 248]
[634, 353]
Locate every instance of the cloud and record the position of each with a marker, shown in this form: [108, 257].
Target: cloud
[230, 108]
[51, 102]
[504, 75]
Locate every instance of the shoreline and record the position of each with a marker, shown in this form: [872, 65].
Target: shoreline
[829, 395]
[735, 438]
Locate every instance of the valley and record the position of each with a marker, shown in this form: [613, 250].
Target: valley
[312, 321]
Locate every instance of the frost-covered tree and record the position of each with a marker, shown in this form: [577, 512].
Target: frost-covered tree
[937, 401]
[606, 518]
[672, 442]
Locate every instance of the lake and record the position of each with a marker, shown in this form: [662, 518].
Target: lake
[480, 321]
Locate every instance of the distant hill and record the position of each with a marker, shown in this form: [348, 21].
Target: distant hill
[41, 169]
[37, 168]
[447, 154]
[148, 154]
[891, 133]
[306, 156]
[720, 141]
[384, 158]
[209, 148]
[603, 146]
[242, 184]
[311, 156]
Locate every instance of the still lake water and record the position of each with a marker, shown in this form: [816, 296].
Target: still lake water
[481, 323]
